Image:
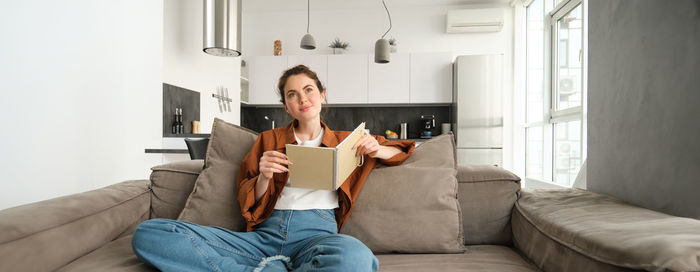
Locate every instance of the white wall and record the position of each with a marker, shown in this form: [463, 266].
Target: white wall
[187, 66]
[81, 95]
[418, 28]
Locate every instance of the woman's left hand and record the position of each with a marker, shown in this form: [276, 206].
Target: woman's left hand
[367, 145]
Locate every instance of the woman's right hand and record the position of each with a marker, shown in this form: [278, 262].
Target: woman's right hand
[273, 162]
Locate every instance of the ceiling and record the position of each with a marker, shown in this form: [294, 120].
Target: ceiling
[282, 5]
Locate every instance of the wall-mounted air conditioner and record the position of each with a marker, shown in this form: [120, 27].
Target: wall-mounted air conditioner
[474, 20]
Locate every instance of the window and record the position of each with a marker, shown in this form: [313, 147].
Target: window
[555, 121]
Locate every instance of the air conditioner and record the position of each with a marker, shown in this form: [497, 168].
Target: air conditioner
[474, 20]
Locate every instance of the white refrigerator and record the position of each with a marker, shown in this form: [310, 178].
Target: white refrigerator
[478, 109]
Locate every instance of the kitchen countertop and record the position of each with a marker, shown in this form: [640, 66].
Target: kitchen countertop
[167, 150]
[414, 139]
[187, 135]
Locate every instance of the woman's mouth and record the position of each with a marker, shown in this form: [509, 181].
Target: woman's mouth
[306, 108]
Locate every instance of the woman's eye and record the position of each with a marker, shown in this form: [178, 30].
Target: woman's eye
[291, 95]
[309, 90]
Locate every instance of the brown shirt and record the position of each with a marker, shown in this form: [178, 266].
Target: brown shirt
[256, 212]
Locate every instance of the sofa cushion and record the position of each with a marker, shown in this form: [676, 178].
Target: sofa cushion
[476, 258]
[213, 199]
[46, 235]
[413, 207]
[171, 185]
[486, 194]
[573, 229]
[113, 256]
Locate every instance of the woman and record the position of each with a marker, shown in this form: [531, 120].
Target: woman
[287, 228]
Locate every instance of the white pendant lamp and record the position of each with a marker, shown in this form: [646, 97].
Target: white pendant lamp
[308, 42]
[382, 50]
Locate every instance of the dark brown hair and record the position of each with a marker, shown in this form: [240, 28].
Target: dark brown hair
[296, 70]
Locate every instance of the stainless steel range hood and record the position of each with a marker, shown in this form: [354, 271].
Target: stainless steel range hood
[222, 27]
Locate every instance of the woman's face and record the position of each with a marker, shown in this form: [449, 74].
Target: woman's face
[302, 97]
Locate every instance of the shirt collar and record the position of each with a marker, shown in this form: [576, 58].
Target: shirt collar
[286, 136]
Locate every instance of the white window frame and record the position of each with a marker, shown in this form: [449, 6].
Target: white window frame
[552, 116]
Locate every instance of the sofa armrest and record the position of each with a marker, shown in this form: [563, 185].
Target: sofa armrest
[46, 235]
[486, 196]
[578, 230]
[172, 184]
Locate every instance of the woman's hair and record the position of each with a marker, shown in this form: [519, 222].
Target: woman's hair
[296, 70]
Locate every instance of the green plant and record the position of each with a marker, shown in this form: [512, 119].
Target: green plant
[337, 43]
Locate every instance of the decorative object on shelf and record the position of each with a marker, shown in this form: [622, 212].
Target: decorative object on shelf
[278, 48]
[223, 99]
[195, 127]
[394, 44]
[381, 47]
[222, 21]
[308, 42]
[339, 46]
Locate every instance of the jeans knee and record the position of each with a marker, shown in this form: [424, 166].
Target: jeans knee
[358, 255]
[145, 231]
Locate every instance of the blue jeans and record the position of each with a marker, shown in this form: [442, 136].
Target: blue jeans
[298, 240]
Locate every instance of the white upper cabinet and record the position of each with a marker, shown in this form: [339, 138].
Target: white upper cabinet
[389, 82]
[317, 63]
[356, 79]
[347, 79]
[264, 74]
[431, 78]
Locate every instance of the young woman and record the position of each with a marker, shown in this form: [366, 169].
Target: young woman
[287, 228]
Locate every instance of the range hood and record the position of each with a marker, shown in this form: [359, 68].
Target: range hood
[222, 27]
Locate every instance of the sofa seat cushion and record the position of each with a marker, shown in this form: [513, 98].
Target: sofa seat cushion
[475, 258]
[113, 256]
[561, 230]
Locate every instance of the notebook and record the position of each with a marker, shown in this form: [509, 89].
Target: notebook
[324, 168]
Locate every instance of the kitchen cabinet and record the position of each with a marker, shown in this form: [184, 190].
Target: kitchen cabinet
[264, 74]
[347, 79]
[389, 82]
[431, 78]
[355, 79]
[317, 63]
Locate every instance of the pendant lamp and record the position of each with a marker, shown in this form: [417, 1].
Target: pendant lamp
[382, 50]
[222, 27]
[308, 42]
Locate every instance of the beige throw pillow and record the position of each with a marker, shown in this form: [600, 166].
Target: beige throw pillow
[413, 207]
[213, 199]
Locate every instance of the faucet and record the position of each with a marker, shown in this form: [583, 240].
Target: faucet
[269, 119]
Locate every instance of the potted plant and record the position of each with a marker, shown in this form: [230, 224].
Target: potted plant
[338, 46]
[393, 43]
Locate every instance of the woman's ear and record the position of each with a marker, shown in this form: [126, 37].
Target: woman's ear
[323, 96]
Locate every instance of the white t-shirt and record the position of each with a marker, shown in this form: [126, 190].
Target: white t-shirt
[306, 199]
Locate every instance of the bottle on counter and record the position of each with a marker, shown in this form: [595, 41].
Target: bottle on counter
[181, 125]
[175, 127]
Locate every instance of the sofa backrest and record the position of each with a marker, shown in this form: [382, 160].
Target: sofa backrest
[487, 195]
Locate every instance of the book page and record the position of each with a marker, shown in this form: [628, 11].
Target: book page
[312, 167]
[347, 161]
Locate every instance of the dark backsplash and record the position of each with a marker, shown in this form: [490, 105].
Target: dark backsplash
[176, 97]
[377, 118]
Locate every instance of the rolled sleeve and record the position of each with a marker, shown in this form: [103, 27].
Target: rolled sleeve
[252, 210]
[406, 147]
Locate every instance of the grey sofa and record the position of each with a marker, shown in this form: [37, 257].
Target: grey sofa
[505, 229]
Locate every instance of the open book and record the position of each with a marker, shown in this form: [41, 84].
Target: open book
[324, 168]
